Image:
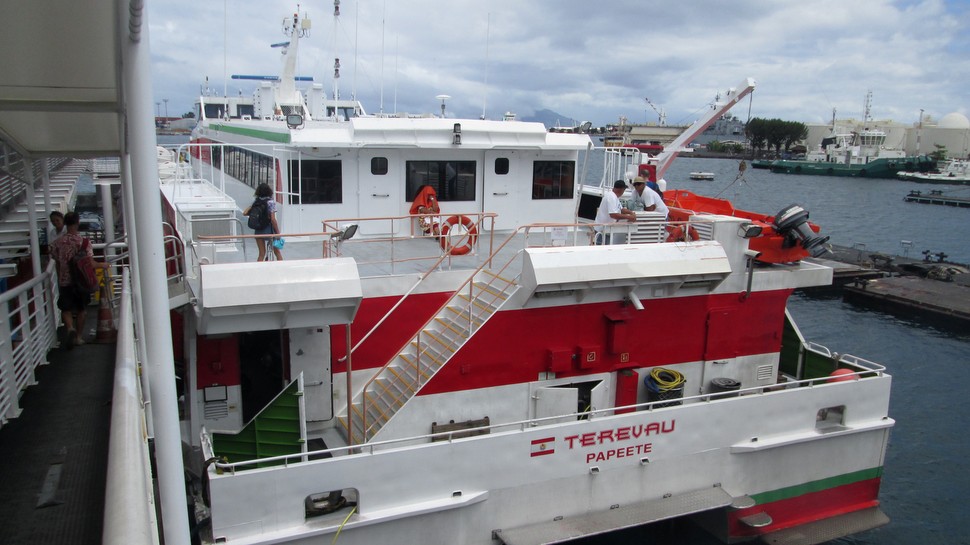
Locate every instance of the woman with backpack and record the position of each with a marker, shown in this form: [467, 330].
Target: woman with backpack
[72, 252]
[262, 220]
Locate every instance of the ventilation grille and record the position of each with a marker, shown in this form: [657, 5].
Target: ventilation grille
[216, 409]
[705, 229]
[766, 372]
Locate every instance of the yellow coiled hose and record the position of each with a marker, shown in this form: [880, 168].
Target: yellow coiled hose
[666, 379]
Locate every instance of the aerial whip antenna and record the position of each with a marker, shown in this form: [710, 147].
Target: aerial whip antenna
[488, 28]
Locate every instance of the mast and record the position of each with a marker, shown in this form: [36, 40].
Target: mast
[336, 56]
[294, 28]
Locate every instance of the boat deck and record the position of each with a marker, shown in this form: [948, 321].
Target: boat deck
[56, 452]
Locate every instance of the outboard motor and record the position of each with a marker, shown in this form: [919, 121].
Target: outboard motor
[792, 222]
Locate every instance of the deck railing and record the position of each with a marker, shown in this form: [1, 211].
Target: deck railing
[129, 506]
[862, 370]
[28, 329]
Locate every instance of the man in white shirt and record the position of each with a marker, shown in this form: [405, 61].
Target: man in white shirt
[610, 211]
[648, 198]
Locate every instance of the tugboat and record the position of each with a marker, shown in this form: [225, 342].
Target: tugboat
[858, 153]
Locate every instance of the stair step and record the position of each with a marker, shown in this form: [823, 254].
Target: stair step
[412, 365]
[404, 381]
[451, 328]
[440, 339]
[430, 356]
[391, 394]
[460, 316]
[482, 305]
[496, 276]
[490, 291]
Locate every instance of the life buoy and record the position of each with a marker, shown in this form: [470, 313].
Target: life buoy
[467, 239]
[675, 233]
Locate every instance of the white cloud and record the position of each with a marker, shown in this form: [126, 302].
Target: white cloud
[586, 60]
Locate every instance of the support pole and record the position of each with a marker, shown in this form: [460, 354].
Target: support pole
[350, 394]
[151, 271]
[32, 216]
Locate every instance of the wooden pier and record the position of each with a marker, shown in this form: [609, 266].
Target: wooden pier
[912, 295]
[930, 288]
[936, 196]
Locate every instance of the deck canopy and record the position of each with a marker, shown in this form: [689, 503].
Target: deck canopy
[61, 90]
[278, 295]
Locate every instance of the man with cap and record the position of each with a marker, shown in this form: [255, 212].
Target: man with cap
[610, 211]
[647, 198]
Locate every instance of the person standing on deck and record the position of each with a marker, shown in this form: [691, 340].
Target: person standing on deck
[71, 302]
[56, 229]
[648, 199]
[426, 202]
[263, 210]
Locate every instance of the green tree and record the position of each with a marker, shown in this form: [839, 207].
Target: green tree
[940, 153]
[774, 133]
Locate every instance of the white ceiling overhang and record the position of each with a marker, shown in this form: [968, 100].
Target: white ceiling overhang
[61, 83]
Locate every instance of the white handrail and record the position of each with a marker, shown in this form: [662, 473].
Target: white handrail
[28, 329]
[868, 370]
[129, 503]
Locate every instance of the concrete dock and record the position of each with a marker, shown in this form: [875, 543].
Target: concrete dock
[913, 295]
[929, 288]
[936, 196]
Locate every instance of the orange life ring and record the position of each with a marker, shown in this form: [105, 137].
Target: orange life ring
[468, 238]
[676, 233]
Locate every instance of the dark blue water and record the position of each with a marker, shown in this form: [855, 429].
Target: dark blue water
[851, 210]
[927, 469]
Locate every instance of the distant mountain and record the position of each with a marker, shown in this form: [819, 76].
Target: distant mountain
[552, 119]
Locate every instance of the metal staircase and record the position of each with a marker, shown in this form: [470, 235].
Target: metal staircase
[426, 352]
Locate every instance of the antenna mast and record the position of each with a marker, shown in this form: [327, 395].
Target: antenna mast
[662, 114]
[336, 56]
[488, 28]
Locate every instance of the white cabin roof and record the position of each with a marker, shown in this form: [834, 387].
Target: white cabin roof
[405, 132]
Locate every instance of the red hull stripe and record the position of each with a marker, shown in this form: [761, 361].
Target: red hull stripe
[578, 340]
[546, 440]
[797, 505]
[543, 453]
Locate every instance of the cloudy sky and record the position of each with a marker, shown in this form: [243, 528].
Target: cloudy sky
[587, 60]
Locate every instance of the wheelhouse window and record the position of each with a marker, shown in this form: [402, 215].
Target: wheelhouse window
[553, 179]
[316, 182]
[247, 166]
[378, 166]
[451, 180]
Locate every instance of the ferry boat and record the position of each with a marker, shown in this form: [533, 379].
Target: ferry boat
[506, 381]
[501, 380]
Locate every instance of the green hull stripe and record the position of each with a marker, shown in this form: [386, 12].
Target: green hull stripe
[281, 137]
[817, 486]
